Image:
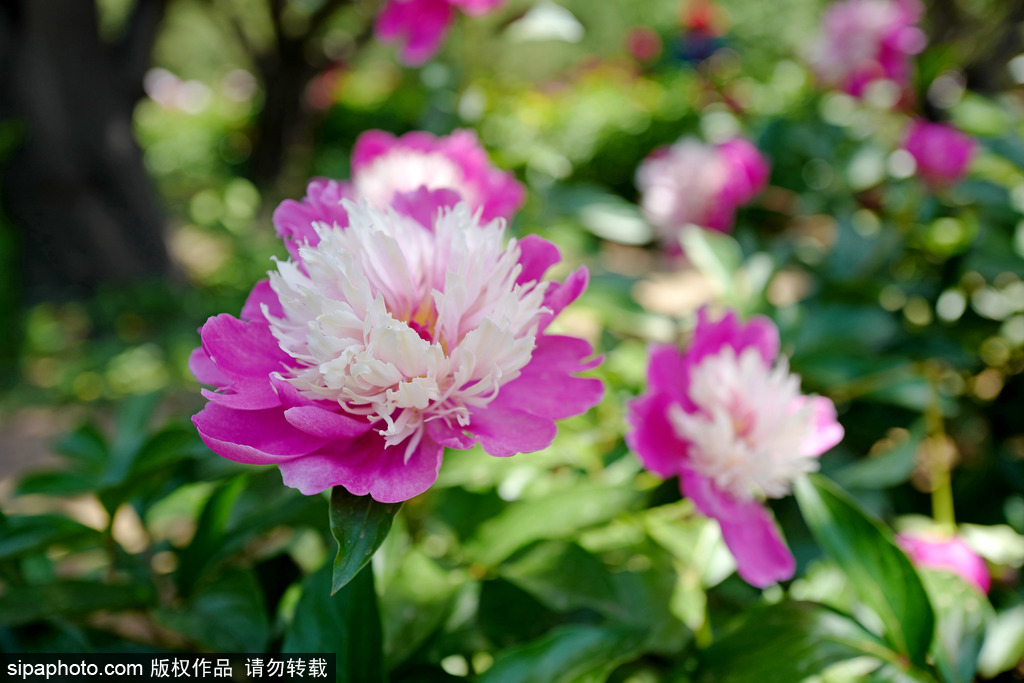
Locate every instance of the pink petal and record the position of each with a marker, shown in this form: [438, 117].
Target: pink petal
[747, 171]
[652, 437]
[476, 7]
[711, 335]
[827, 432]
[420, 24]
[322, 204]
[262, 294]
[949, 554]
[449, 437]
[252, 436]
[366, 467]
[245, 394]
[560, 295]
[546, 386]
[536, 255]
[325, 424]
[242, 349]
[668, 372]
[370, 145]
[504, 431]
[204, 369]
[749, 531]
[496, 192]
[423, 205]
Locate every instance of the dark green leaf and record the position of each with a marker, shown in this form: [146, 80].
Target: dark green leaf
[564, 576]
[61, 483]
[346, 623]
[225, 615]
[28, 604]
[359, 524]
[209, 533]
[576, 654]
[879, 571]
[415, 603]
[34, 534]
[557, 515]
[785, 643]
[87, 447]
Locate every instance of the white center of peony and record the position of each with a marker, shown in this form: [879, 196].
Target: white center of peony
[403, 170]
[751, 423]
[405, 324]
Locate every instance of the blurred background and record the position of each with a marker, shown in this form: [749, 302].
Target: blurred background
[144, 145]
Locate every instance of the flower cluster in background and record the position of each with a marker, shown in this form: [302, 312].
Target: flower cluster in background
[693, 183]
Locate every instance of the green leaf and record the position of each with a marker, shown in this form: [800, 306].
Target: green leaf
[359, 524]
[1004, 643]
[879, 571]
[24, 535]
[576, 654]
[346, 623]
[787, 642]
[228, 614]
[32, 603]
[210, 528]
[59, 483]
[87, 447]
[715, 254]
[557, 515]
[415, 603]
[962, 613]
[564, 576]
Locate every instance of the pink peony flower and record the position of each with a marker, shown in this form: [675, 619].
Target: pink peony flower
[867, 40]
[421, 25]
[934, 551]
[728, 418]
[384, 166]
[942, 152]
[393, 334]
[691, 182]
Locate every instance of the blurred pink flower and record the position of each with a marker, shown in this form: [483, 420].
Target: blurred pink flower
[728, 418]
[942, 153]
[397, 332]
[384, 165]
[934, 551]
[694, 183]
[867, 40]
[421, 25]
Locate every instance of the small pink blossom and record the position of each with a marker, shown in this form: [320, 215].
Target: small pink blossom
[694, 183]
[950, 554]
[383, 166]
[395, 333]
[867, 40]
[942, 153]
[421, 25]
[727, 417]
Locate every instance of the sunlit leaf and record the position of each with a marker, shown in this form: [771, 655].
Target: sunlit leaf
[879, 571]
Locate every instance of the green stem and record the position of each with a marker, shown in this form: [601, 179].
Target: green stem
[941, 479]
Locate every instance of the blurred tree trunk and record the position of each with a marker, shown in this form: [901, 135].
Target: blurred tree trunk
[286, 67]
[76, 188]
